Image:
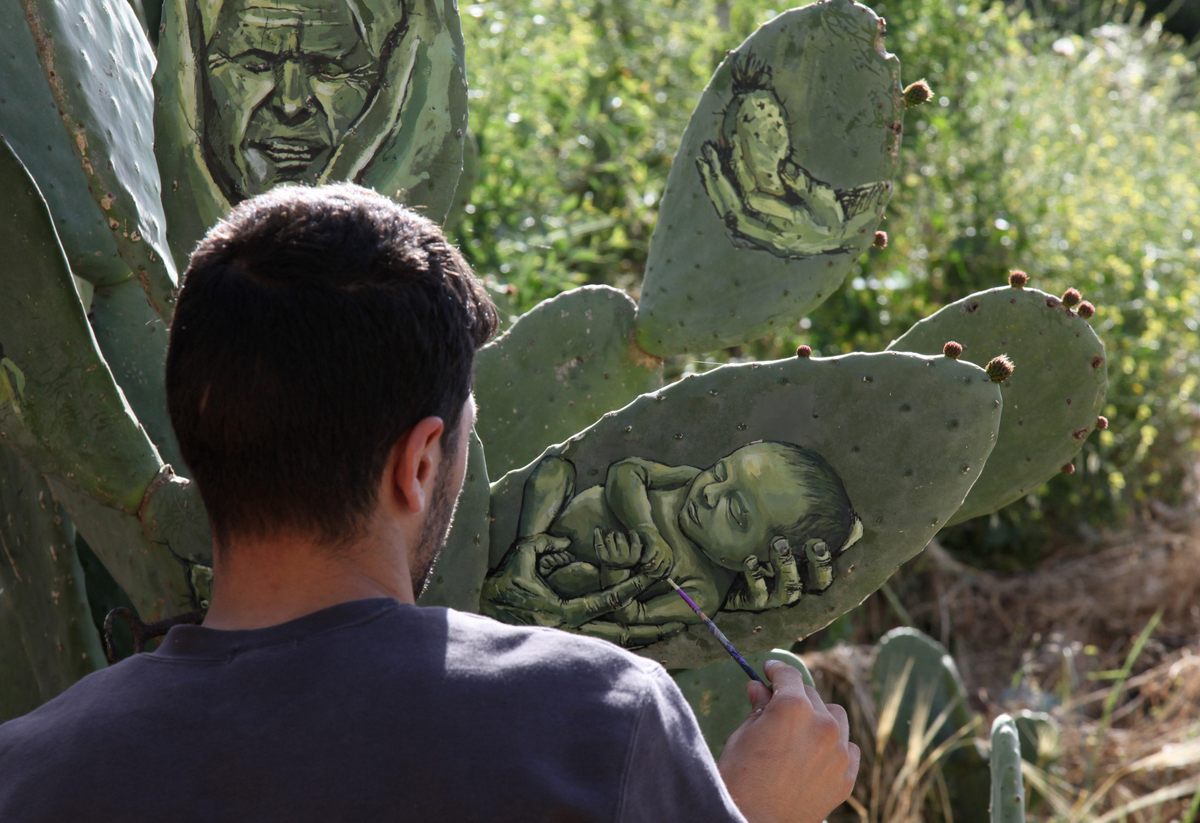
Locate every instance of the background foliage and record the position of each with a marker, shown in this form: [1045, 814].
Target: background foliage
[1062, 140]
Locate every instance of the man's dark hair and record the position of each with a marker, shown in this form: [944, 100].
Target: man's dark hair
[315, 327]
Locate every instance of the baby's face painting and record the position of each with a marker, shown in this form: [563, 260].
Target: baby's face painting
[735, 507]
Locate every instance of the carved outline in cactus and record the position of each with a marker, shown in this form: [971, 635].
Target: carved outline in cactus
[766, 199]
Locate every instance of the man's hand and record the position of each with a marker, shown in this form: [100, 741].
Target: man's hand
[792, 760]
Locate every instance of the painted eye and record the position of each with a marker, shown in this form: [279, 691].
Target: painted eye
[737, 510]
[720, 473]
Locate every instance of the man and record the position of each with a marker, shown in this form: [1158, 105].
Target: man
[318, 379]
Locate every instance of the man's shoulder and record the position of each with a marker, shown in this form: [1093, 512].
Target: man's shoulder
[550, 655]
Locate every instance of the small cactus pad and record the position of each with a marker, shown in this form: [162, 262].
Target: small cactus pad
[833, 471]
[228, 129]
[763, 214]
[98, 67]
[1008, 786]
[1056, 390]
[920, 668]
[717, 693]
[559, 367]
[458, 574]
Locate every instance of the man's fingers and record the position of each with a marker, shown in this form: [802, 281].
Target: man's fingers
[598, 542]
[620, 547]
[635, 545]
[560, 542]
[843, 721]
[758, 695]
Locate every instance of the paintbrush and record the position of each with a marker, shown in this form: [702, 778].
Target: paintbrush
[717, 633]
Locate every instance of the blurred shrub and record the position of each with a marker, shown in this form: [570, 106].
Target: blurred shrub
[1073, 156]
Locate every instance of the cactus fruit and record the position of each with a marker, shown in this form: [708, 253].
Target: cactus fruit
[917, 93]
[717, 693]
[101, 465]
[457, 577]
[761, 207]
[561, 365]
[1057, 390]
[398, 110]
[98, 65]
[1008, 786]
[941, 419]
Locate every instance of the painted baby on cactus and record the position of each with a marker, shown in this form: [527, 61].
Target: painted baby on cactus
[767, 511]
[756, 182]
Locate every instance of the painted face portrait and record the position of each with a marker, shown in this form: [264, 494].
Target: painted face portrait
[284, 83]
[736, 506]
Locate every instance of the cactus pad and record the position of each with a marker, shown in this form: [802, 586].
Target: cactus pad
[1008, 786]
[919, 666]
[458, 574]
[778, 494]
[717, 693]
[763, 214]
[310, 92]
[1051, 400]
[561, 366]
[98, 65]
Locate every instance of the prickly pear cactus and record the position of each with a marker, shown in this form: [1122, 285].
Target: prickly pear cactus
[560, 366]
[1053, 400]
[829, 472]
[1008, 786]
[918, 668]
[761, 207]
[41, 593]
[62, 411]
[458, 575]
[717, 693]
[314, 91]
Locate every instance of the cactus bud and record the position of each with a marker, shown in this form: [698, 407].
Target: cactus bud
[1086, 309]
[1069, 468]
[999, 368]
[1018, 279]
[804, 351]
[952, 350]
[1071, 297]
[1102, 422]
[917, 93]
[881, 239]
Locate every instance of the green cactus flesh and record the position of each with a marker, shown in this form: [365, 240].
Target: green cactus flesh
[717, 693]
[1008, 786]
[1040, 734]
[98, 65]
[230, 126]
[562, 365]
[41, 583]
[880, 449]
[30, 123]
[922, 671]
[1052, 400]
[67, 416]
[458, 574]
[763, 214]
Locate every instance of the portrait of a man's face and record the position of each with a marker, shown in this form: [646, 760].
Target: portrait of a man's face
[284, 82]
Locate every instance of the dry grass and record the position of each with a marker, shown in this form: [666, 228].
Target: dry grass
[1107, 640]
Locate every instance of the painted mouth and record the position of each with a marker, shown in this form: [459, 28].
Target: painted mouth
[289, 154]
[692, 512]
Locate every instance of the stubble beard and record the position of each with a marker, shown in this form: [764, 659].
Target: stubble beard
[435, 529]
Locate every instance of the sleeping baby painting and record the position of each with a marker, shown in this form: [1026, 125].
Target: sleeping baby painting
[756, 530]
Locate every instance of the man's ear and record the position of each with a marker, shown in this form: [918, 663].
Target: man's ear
[412, 466]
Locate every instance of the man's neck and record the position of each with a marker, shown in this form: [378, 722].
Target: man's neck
[267, 582]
